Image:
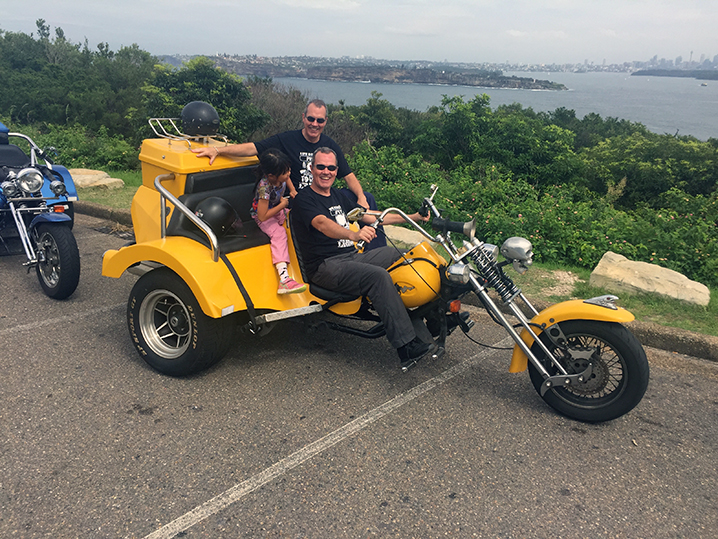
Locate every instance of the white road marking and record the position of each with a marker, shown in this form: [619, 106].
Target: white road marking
[237, 492]
[59, 320]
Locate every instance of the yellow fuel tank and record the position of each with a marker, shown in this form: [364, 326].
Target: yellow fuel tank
[417, 275]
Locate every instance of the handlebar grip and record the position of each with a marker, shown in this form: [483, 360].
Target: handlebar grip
[361, 243]
[444, 225]
[424, 210]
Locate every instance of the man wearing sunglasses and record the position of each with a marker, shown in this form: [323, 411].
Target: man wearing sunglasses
[332, 262]
[300, 145]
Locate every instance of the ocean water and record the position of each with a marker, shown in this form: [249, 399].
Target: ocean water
[663, 104]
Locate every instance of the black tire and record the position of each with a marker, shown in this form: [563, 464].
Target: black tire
[169, 329]
[58, 267]
[620, 371]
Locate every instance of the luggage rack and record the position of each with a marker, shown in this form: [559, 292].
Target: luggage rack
[164, 127]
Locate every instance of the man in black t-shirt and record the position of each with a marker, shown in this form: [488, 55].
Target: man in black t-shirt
[299, 145]
[331, 261]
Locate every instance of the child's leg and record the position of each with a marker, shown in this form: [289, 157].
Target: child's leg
[280, 255]
[278, 239]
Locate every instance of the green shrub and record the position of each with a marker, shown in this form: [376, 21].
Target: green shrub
[565, 223]
[78, 147]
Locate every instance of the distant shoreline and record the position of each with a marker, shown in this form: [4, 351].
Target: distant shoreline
[388, 75]
[700, 74]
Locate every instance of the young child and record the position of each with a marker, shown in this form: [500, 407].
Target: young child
[269, 211]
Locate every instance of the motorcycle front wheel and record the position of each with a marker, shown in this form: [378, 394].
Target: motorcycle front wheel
[169, 329]
[619, 375]
[58, 266]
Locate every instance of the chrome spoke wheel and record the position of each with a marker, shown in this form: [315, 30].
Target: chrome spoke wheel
[619, 371]
[165, 323]
[48, 259]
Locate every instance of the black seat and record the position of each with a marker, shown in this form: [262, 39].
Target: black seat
[13, 156]
[234, 185]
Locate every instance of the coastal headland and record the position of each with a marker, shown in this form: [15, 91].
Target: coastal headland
[380, 74]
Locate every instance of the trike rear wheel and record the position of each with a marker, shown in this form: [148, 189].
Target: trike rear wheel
[169, 329]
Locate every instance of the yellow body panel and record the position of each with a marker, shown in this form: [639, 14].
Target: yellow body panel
[160, 156]
[568, 310]
[211, 282]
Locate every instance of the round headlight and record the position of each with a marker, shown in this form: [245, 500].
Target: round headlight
[30, 180]
[58, 187]
[9, 189]
[458, 273]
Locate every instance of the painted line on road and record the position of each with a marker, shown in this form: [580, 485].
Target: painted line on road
[237, 492]
[60, 320]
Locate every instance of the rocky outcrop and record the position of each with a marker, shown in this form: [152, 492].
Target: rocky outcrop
[405, 238]
[615, 273]
[85, 177]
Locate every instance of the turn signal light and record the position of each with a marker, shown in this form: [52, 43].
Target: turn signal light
[455, 306]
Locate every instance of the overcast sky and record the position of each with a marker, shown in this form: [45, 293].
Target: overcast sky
[517, 31]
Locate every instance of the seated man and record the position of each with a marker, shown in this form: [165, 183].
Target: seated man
[332, 262]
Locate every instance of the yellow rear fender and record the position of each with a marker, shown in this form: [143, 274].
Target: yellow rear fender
[568, 310]
[211, 282]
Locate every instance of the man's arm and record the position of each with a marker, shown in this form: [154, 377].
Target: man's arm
[335, 231]
[394, 219]
[355, 187]
[247, 149]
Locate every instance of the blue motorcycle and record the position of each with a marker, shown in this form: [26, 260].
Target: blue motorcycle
[37, 215]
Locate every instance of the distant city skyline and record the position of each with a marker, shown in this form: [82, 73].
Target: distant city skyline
[471, 31]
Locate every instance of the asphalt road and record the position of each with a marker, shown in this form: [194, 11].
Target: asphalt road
[314, 434]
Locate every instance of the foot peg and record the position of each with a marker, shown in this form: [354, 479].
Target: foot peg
[437, 354]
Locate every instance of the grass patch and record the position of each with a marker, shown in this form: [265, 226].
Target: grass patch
[555, 283]
[120, 199]
[666, 312]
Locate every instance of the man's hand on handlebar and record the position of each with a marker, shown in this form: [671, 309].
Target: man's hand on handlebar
[419, 218]
[365, 234]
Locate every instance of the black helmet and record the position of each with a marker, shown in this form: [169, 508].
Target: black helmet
[199, 119]
[217, 213]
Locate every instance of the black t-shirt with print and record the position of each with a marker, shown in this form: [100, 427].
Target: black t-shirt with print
[313, 245]
[300, 152]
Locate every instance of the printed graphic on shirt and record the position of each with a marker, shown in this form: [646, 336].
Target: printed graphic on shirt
[267, 191]
[306, 171]
[338, 214]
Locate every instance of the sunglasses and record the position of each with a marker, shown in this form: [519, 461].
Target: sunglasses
[312, 119]
[328, 167]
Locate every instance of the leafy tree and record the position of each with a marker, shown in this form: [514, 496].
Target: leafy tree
[651, 165]
[170, 89]
[283, 106]
[57, 82]
[592, 129]
[512, 138]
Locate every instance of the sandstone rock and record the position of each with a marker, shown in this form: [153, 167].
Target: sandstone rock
[615, 273]
[404, 238]
[84, 177]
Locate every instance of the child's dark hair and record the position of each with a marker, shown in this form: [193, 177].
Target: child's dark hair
[273, 161]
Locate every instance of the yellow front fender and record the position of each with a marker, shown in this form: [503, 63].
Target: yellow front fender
[576, 309]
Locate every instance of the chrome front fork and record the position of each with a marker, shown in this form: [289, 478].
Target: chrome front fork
[24, 236]
[561, 379]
